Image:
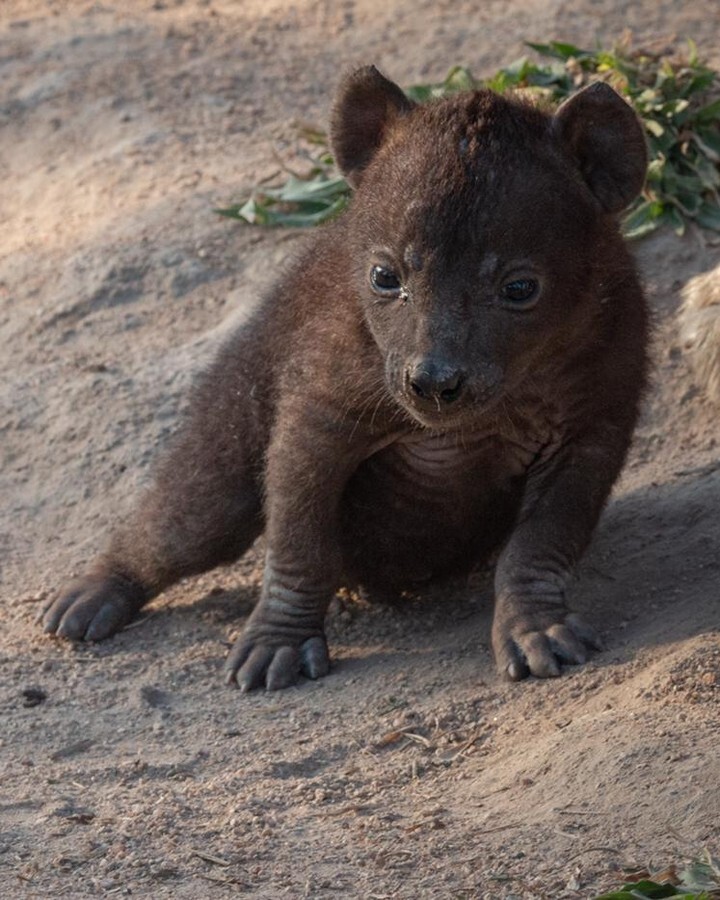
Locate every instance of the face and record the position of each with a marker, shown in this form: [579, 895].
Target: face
[473, 251]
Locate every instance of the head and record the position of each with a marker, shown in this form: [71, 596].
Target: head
[475, 232]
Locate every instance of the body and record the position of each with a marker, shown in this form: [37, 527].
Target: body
[452, 369]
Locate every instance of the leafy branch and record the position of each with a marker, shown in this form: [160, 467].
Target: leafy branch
[699, 881]
[676, 98]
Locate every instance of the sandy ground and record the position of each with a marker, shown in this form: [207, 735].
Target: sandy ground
[412, 770]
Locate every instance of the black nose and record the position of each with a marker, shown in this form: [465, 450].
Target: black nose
[435, 382]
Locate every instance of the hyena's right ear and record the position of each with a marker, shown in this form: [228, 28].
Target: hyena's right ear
[366, 105]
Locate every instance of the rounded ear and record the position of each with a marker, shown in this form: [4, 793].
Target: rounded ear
[604, 137]
[366, 105]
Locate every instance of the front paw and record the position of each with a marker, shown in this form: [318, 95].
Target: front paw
[92, 608]
[536, 642]
[257, 661]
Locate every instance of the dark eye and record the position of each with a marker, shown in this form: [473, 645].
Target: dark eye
[385, 282]
[521, 292]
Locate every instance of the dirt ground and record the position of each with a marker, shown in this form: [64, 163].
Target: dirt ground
[126, 768]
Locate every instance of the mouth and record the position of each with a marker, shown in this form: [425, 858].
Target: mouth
[448, 417]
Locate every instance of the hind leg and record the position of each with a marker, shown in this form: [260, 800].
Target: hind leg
[157, 548]
[204, 509]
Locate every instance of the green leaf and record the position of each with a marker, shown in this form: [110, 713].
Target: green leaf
[674, 183]
[558, 50]
[709, 142]
[500, 82]
[236, 211]
[699, 81]
[515, 74]
[459, 78]
[643, 218]
[706, 171]
[675, 219]
[646, 890]
[709, 113]
[420, 93]
[296, 204]
[297, 190]
[702, 874]
[305, 217]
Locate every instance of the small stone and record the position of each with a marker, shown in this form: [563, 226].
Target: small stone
[33, 696]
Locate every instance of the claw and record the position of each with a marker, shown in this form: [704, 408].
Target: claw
[283, 671]
[252, 673]
[314, 658]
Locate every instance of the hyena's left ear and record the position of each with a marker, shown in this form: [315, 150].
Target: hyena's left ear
[366, 105]
[605, 139]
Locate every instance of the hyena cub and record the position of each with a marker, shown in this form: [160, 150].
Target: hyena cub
[452, 368]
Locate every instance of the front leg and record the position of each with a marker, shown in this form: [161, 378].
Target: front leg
[310, 460]
[533, 630]
[285, 636]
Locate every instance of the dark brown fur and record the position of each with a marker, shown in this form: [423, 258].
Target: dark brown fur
[452, 368]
